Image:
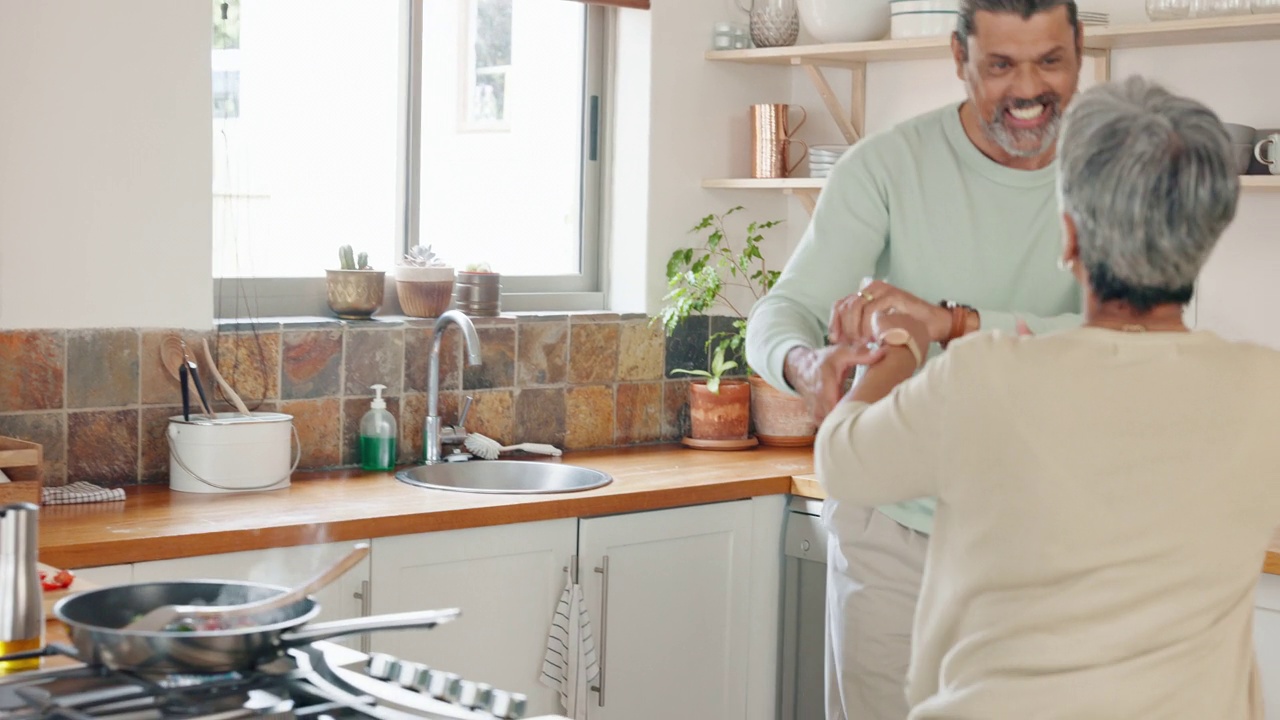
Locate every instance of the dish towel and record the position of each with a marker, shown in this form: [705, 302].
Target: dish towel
[80, 492]
[570, 663]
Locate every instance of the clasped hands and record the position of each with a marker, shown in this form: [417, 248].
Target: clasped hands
[819, 374]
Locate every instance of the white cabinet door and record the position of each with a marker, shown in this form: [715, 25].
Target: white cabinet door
[285, 566]
[506, 580]
[669, 593]
[1266, 636]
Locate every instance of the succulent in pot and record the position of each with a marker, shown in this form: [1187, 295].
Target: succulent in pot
[424, 283]
[355, 290]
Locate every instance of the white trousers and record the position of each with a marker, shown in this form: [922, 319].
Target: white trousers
[874, 569]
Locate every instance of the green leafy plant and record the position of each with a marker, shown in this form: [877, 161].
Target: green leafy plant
[698, 278]
[349, 262]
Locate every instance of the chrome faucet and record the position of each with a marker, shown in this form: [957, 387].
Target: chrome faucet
[435, 433]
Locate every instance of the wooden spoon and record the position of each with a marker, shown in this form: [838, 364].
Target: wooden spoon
[226, 387]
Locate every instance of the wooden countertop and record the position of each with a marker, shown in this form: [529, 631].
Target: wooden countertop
[155, 523]
[807, 486]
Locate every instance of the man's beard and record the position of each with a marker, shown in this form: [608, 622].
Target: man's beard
[1025, 142]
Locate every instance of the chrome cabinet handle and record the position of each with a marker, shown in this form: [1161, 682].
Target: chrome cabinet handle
[363, 596]
[604, 621]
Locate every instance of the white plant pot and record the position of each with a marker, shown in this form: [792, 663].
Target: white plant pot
[836, 21]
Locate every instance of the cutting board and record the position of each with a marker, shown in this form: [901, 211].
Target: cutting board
[53, 596]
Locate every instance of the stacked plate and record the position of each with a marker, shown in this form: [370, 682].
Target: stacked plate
[1089, 17]
[823, 157]
[922, 18]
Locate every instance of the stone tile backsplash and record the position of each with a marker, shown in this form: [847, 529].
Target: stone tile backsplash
[99, 401]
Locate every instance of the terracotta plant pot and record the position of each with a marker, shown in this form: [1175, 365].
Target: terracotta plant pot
[780, 419]
[722, 416]
[355, 294]
[424, 292]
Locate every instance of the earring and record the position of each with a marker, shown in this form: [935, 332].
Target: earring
[1066, 265]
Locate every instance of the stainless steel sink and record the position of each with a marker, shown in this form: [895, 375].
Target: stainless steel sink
[504, 476]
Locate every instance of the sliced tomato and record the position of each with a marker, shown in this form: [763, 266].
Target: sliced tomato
[61, 580]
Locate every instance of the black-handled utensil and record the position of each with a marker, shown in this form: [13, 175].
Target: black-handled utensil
[186, 393]
[195, 377]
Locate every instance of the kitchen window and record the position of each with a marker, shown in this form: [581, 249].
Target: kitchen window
[468, 125]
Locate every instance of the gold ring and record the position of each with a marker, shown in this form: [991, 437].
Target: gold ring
[866, 296]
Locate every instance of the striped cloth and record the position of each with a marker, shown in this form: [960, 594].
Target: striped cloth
[570, 663]
[80, 492]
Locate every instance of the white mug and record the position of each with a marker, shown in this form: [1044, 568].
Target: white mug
[1269, 156]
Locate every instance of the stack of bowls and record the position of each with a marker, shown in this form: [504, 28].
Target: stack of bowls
[823, 157]
[922, 18]
[1241, 145]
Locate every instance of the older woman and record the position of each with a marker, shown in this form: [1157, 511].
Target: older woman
[1105, 494]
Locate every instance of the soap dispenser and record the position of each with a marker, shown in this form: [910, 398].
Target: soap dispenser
[378, 435]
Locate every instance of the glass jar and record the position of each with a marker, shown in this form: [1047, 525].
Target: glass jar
[1215, 8]
[1168, 9]
[741, 37]
[722, 36]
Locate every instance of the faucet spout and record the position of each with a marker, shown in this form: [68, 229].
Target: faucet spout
[432, 439]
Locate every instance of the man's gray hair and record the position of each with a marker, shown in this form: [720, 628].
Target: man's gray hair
[1023, 8]
[1147, 177]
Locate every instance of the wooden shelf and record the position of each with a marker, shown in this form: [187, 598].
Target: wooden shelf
[803, 183]
[1200, 31]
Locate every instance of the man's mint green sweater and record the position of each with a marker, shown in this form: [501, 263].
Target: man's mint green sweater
[920, 207]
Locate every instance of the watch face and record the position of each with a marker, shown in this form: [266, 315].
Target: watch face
[895, 336]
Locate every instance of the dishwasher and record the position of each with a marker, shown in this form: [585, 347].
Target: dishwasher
[804, 607]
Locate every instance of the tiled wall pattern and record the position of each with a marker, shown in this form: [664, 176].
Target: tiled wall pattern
[99, 400]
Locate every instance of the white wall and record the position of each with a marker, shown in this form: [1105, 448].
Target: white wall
[104, 164]
[697, 127]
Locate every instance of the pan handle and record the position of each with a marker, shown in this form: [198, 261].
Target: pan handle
[396, 621]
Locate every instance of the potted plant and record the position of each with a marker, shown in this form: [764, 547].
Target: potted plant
[424, 283]
[479, 290]
[355, 290]
[698, 278]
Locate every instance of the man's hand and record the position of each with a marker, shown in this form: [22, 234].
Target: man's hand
[819, 375]
[851, 316]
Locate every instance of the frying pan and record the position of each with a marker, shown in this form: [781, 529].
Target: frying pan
[96, 619]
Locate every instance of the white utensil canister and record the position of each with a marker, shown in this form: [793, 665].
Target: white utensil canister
[232, 453]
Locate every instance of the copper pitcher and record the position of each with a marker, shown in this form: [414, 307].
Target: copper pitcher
[771, 139]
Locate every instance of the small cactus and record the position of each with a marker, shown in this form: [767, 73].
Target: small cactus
[346, 256]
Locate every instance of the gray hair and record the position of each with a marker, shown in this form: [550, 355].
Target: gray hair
[1024, 8]
[1147, 178]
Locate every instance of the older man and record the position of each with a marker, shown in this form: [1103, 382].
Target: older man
[955, 211]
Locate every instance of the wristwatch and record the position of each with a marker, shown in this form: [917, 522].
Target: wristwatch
[900, 337]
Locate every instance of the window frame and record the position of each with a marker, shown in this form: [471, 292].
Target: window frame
[285, 297]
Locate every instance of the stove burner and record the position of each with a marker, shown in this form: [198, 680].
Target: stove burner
[307, 684]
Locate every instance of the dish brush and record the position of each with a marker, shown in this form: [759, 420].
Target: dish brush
[489, 449]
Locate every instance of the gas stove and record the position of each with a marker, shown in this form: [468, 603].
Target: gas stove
[323, 681]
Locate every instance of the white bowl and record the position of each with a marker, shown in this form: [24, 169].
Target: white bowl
[922, 24]
[834, 21]
[838, 149]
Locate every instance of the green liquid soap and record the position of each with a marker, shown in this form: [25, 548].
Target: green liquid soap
[377, 453]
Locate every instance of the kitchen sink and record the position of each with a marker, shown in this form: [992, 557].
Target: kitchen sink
[504, 476]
